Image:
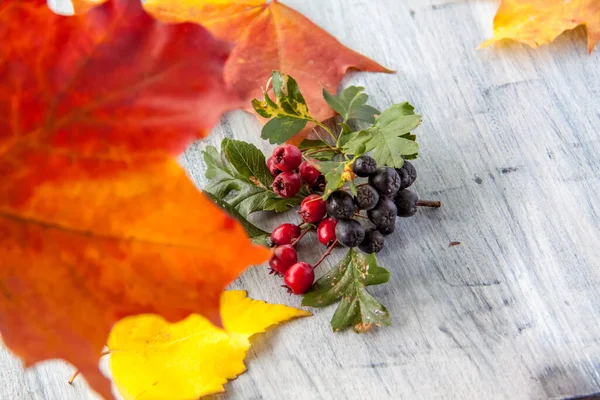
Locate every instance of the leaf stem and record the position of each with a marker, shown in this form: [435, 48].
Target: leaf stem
[308, 153]
[76, 373]
[326, 254]
[326, 146]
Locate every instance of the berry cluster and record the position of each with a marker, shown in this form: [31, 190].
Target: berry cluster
[289, 171]
[384, 197]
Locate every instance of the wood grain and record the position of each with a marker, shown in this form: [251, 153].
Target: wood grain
[510, 144]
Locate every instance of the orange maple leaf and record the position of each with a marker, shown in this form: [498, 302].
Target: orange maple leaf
[268, 37]
[97, 220]
[538, 22]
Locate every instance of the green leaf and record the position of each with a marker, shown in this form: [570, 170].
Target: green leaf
[347, 283]
[353, 188]
[334, 178]
[389, 138]
[257, 235]
[399, 119]
[354, 142]
[241, 182]
[351, 104]
[288, 109]
[388, 148]
[280, 204]
[248, 161]
[328, 166]
[282, 128]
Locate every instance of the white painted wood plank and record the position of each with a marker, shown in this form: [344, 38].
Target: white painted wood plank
[510, 145]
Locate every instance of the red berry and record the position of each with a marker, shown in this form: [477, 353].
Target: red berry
[283, 258]
[309, 173]
[287, 157]
[272, 167]
[326, 231]
[312, 209]
[285, 234]
[287, 184]
[299, 278]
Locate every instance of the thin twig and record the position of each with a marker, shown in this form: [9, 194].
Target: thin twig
[326, 254]
[304, 232]
[429, 203]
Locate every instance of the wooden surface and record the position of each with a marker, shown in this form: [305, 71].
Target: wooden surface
[510, 144]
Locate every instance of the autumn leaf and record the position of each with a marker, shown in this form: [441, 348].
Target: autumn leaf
[152, 359]
[97, 220]
[270, 36]
[538, 22]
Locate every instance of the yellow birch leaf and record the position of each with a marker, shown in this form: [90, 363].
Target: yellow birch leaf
[538, 22]
[151, 359]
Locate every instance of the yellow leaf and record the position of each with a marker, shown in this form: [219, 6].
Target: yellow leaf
[537, 22]
[153, 359]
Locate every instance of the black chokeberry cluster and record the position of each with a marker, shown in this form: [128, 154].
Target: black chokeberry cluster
[383, 197]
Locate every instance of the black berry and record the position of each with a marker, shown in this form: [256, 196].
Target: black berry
[366, 197]
[349, 232]
[406, 203]
[387, 229]
[287, 157]
[340, 205]
[408, 175]
[320, 184]
[326, 231]
[384, 213]
[312, 209]
[364, 166]
[373, 242]
[386, 181]
[287, 184]
[285, 234]
[299, 278]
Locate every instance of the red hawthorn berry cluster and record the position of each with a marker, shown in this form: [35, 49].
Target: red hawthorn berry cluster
[290, 172]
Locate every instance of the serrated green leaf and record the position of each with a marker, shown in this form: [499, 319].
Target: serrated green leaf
[288, 95]
[388, 148]
[351, 104]
[399, 119]
[282, 128]
[248, 161]
[257, 235]
[353, 142]
[334, 179]
[243, 191]
[389, 138]
[288, 109]
[347, 283]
